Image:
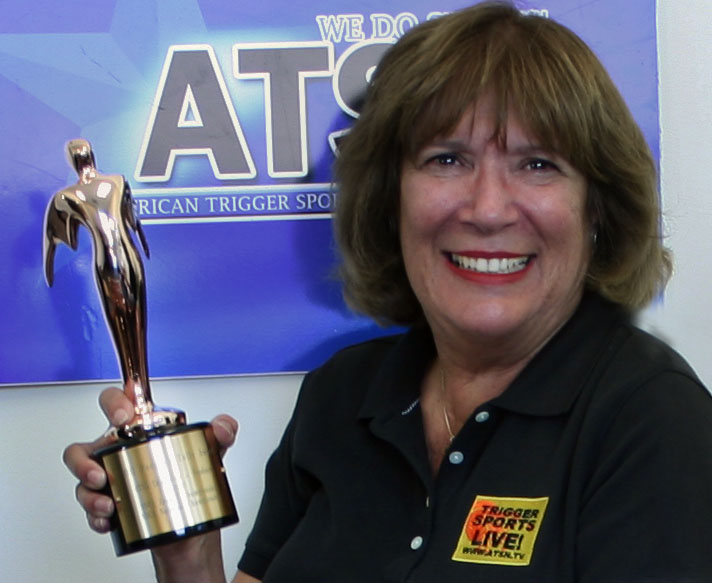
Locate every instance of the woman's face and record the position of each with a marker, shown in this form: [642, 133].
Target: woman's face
[495, 238]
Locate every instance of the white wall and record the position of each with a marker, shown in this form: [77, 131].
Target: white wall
[685, 47]
[43, 536]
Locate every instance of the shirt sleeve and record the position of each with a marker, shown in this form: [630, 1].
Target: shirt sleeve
[286, 497]
[647, 509]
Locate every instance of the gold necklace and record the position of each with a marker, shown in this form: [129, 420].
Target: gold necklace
[445, 415]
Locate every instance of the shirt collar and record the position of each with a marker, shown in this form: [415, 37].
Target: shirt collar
[395, 389]
[553, 379]
[547, 386]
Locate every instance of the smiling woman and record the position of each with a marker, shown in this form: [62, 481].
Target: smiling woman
[565, 101]
[497, 197]
[472, 200]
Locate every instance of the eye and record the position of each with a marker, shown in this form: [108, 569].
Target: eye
[541, 165]
[444, 163]
[443, 159]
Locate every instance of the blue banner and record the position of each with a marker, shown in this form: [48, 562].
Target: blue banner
[224, 117]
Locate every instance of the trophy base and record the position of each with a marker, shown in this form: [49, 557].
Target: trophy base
[167, 485]
[121, 547]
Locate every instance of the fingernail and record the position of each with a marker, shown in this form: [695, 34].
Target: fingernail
[96, 478]
[119, 418]
[104, 506]
[226, 426]
[99, 524]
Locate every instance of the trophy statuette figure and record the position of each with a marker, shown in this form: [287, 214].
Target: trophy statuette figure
[165, 476]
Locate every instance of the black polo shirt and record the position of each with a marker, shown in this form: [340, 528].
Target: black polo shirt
[594, 466]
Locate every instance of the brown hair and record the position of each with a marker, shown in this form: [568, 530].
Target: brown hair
[544, 73]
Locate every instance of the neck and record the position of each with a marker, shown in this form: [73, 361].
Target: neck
[449, 396]
[462, 390]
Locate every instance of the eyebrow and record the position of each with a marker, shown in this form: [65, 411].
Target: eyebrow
[527, 148]
[445, 143]
[531, 148]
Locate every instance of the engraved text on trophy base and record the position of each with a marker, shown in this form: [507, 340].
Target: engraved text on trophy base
[166, 485]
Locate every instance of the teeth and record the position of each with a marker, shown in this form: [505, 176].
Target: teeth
[481, 265]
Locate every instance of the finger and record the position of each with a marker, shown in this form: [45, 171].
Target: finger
[225, 429]
[95, 504]
[77, 458]
[99, 524]
[116, 406]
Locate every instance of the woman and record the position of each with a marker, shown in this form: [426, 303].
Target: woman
[497, 197]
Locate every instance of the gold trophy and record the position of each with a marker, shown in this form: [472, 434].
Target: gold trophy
[166, 477]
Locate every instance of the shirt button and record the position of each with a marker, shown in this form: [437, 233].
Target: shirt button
[416, 543]
[482, 416]
[456, 457]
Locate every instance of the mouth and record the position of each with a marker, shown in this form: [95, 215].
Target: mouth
[500, 265]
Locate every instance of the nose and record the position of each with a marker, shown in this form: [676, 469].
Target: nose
[488, 200]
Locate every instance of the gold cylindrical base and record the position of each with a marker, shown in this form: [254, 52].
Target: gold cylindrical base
[166, 486]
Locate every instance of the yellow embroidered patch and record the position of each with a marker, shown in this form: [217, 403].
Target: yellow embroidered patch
[501, 531]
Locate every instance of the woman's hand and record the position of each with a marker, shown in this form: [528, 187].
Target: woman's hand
[92, 478]
[199, 554]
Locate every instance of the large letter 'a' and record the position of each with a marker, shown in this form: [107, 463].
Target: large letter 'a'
[193, 115]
